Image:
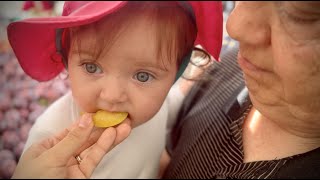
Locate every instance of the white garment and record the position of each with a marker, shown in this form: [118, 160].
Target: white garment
[136, 157]
[175, 99]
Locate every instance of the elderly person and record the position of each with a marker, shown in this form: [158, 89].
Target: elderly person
[256, 115]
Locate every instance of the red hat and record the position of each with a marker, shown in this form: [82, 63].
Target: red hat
[34, 40]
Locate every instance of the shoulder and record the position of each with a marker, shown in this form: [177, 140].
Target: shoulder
[301, 166]
[208, 102]
[55, 118]
[59, 114]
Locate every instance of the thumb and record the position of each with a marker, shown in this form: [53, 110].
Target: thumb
[77, 136]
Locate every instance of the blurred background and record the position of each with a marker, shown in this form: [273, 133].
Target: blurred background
[23, 99]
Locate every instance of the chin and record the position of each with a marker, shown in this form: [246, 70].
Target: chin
[137, 121]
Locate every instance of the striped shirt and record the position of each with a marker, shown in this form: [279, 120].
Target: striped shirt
[206, 141]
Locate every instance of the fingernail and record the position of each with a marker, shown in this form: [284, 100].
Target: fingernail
[85, 120]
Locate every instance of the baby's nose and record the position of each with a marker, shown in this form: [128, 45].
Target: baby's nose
[114, 92]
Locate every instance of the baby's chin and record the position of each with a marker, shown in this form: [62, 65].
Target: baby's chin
[138, 120]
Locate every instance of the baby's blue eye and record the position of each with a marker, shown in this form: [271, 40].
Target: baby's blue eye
[92, 68]
[143, 76]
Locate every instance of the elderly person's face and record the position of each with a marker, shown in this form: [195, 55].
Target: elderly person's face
[280, 57]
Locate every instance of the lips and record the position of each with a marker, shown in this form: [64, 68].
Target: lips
[245, 64]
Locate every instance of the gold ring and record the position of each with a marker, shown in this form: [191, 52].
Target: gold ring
[78, 158]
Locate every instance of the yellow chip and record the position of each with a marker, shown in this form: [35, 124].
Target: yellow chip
[107, 119]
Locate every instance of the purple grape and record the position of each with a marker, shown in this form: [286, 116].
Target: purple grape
[5, 58]
[34, 106]
[29, 94]
[13, 118]
[3, 125]
[24, 113]
[20, 102]
[18, 150]
[7, 168]
[10, 139]
[24, 131]
[5, 101]
[6, 154]
[3, 80]
[10, 68]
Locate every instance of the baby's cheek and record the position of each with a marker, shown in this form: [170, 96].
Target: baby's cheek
[85, 98]
[86, 104]
[144, 114]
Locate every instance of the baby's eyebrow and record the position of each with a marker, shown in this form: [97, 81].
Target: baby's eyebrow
[151, 65]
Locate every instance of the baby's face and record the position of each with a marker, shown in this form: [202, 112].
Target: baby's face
[127, 77]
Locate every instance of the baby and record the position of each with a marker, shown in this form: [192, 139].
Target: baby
[121, 57]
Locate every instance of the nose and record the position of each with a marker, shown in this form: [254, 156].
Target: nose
[249, 23]
[113, 91]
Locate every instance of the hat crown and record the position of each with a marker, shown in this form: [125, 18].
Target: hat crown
[71, 6]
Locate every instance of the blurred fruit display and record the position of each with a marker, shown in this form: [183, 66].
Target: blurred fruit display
[22, 100]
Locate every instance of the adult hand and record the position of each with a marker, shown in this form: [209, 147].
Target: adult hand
[55, 157]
